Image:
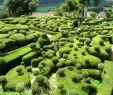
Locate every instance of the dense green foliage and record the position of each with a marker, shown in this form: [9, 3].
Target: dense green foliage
[20, 7]
[49, 55]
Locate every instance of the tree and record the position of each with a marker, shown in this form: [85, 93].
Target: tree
[69, 6]
[20, 7]
[85, 2]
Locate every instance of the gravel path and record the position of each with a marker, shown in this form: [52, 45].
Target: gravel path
[53, 82]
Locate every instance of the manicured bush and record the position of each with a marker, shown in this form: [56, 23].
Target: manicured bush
[2, 79]
[71, 68]
[100, 66]
[46, 66]
[75, 48]
[43, 40]
[22, 63]
[22, 32]
[40, 66]
[32, 46]
[97, 48]
[101, 42]
[85, 74]
[35, 89]
[31, 38]
[19, 70]
[62, 91]
[29, 69]
[108, 49]
[61, 72]
[74, 78]
[70, 45]
[28, 57]
[62, 51]
[50, 53]
[73, 92]
[42, 81]
[87, 41]
[19, 88]
[36, 72]
[55, 59]
[50, 56]
[2, 46]
[83, 53]
[78, 66]
[36, 61]
[20, 38]
[60, 86]
[69, 63]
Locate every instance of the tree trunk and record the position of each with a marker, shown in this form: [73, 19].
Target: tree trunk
[82, 15]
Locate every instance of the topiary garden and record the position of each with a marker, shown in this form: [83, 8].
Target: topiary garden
[50, 56]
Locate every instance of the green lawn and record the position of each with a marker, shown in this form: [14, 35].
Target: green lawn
[47, 8]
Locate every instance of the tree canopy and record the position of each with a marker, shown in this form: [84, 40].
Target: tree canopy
[20, 7]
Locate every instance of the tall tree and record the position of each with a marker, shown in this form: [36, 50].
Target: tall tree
[84, 2]
[69, 6]
[20, 7]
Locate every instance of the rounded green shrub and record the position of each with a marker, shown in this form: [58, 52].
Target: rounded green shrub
[28, 57]
[20, 38]
[87, 41]
[74, 78]
[29, 69]
[50, 56]
[32, 46]
[42, 81]
[61, 72]
[38, 50]
[65, 56]
[71, 68]
[72, 41]
[19, 89]
[74, 54]
[50, 53]
[19, 70]
[55, 59]
[62, 91]
[80, 76]
[36, 72]
[83, 53]
[2, 45]
[22, 63]
[73, 92]
[62, 43]
[70, 45]
[100, 66]
[40, 66]
[39, 79]
[31, 37]
[35, 88]
[85, 74]
[2, 79]
[101, 42]
[68, 63]
[97, 48]
[78, 66]
[22, 32]
[36, 61]
[43, 40]
[75, 48]
[108, 49]
[60, 86]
